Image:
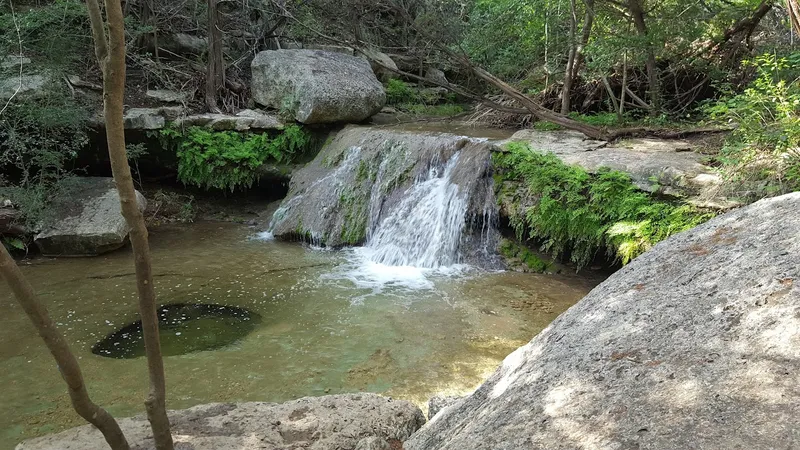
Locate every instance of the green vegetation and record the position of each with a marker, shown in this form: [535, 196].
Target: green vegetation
[576, 214]
[412, 100]
[229, 160]
[762, 156]
[530, 260]
[356, 211]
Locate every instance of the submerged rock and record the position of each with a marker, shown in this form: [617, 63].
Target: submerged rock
[432, 186]
[315, 423]
[87, 222]
[695, 344]
[317, 86]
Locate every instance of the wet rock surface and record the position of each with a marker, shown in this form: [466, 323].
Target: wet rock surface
[359, 179]
[695, 344]
[317, 86]
[336, 422]
[87, 222]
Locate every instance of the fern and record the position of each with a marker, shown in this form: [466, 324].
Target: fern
[227, 159]
[572, 212]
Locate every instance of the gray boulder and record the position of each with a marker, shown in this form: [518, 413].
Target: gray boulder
[373, 443]
[317, 86]
[694, 345]
[87, 222]
[25, 85]
[440, 402]
[336, 422]
[381, 63]
[436, 76]
[167, 96]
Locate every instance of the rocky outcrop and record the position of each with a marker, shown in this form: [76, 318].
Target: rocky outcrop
[317, 86]
[669, 167]
[695, 344]
[87, 221]
[148, 119]
[381, 63]
[25, 85]
[440, 402]
[337, 422]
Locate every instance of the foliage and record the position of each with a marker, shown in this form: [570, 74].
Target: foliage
[229, 160]
[762, 157]
[421, 102]
[575, 213]
[55, 36]
[532, 262]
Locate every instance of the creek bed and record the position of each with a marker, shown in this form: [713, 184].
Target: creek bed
[328, 324]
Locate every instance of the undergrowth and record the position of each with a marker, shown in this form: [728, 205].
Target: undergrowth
[229, 160]
[577, 214]
[421, 102]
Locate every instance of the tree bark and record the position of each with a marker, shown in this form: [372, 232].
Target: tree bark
[67, 364]
[793, 7]
[637, 13]
[566, 91]
[110, 51]
[215, 73]
[586, 34]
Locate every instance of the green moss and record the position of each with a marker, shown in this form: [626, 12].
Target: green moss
[575, 213]
[355, 211]
[514, 252]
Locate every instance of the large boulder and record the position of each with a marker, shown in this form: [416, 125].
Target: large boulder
[317, 86]
[87, 221]
[336, 422]
[694, 345]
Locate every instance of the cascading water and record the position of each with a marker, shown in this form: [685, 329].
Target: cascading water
[414, 202]
[424, 229]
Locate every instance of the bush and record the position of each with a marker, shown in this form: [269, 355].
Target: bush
[227, 159]
[572, 212]
[762, 157]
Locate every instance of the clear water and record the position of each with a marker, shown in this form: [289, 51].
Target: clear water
[183, 328]
[331, 322]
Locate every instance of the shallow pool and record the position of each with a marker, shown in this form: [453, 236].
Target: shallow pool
[329, 323]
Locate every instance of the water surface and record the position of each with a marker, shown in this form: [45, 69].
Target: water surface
[330, 322]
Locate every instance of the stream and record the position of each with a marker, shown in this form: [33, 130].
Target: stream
[329, 322]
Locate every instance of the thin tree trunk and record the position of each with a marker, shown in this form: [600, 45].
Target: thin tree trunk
[566, 92]
[793, 7]
[216, 70]
[621, 111]
[67, 364]
[637, 13]
[586, 34]
[110, 51]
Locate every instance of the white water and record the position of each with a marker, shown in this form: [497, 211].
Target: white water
[425, 228]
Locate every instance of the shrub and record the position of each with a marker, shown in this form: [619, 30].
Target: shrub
[762, 156]
[227, 159]
[572, 212]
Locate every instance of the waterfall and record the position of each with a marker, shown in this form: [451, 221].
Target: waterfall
[424, 229]
[412, 200]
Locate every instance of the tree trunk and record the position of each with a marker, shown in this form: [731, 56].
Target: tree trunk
[110, 50]
[566, 92]
[67, 364]
[588, 23]
[215, 74]
[637, 13]
[793, 7]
